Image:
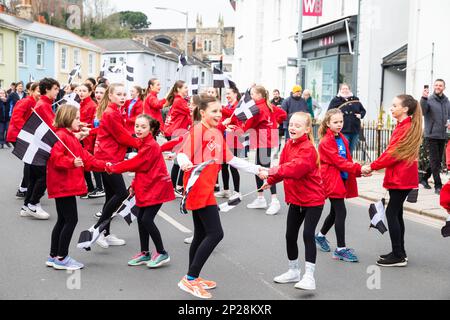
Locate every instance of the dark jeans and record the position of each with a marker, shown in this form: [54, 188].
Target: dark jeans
[436, 149]
[337, 216]
[263, 159]
[64, 227]
[37, 185]
[26, 176]
[396, 224]
[353, 140]
[3, 131]
[147, 226]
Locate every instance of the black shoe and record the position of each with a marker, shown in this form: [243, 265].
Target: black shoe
[179, 193]
[425, 184]
[9, 145]
[438, 191]
[21, 195]
[97, 193]
[392, 261]
[385, 256]
[216, 188]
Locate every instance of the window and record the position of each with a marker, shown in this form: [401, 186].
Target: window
[22, 51]
[202, 80]
[64, 57]
[207, 46]
[112, 60]
[1, 48]
[40, 54]
[91, 69]
[76, 56]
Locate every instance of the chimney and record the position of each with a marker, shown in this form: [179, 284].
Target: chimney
[24, 10]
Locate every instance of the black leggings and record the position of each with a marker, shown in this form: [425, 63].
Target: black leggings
[263, 159]
[396, 224]
[37, 185]
[147, 226]
[176, 175]
[337, 216]
[234, 173]
[98, 180]
[26, 176]
[64, 227]
[296, 216]
[115, 192]
[207, 235]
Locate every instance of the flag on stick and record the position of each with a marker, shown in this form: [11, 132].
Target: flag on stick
[246, 108]
[75, 72]
[181, 62]
[128, 210]
[221, 80]
[377, 215]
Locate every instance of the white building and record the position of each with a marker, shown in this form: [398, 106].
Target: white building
[395, 47]
[153, 61]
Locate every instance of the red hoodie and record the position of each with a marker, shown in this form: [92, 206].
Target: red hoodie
[21, 112]
[179, 117]
[400, 174]
[63, 178]
[262, 124]
[112, 137]
[299, 170]
[45, 111]
[153, 108]
[232, 138]
[137, 110]
[331, 166]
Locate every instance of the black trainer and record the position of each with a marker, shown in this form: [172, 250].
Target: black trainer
[392, 261]
[21, 195]
[425, 184]
[384, 256]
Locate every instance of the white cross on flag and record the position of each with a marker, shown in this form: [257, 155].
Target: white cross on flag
[129, 210]
[75, 72]
[246, 108]
[35, 142]
[221, 80]
[377, 216]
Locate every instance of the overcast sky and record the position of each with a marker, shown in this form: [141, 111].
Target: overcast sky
[208, 9]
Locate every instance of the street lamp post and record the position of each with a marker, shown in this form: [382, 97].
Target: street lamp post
[300, 42]
[186, 13]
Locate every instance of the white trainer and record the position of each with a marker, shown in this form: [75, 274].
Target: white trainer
[24, 212]
[101, 241]
[223, 194]
[114, 241]
[236, 195]
[189, 240]
[307, 283]
[258, 203]
[274, 207]
[292, 276]
[37, 212]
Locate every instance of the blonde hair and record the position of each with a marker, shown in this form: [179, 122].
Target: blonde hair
[265, 94]
[324, 125]
[65, 115]
[105, 101]
[309, 124]
[408, 147]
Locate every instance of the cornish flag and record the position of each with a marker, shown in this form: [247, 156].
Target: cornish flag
[116, 68]
[130, 73]
[377, 215]
[74, 73]
[88, 237]
[191, 182]
[221, 80]
[246, 108]
[35, 142]
[72, 99]
[129, 210]
[181, 62]
[194, 86]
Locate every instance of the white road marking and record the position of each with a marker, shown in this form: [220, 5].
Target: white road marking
[173, 222]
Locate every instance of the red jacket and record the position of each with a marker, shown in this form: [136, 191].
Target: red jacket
[63, 178]
[400, 174]
[137, 110]
[262, 124]
[445, 192]
[331, 166]
[299, 170]
[88, 108]
[21, 112]
[232, 138]
[153, 108]
[113, 139]
[179, 117]
[45, 111]
[152, 184]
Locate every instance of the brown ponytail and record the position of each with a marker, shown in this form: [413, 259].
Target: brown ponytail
[265, 94]
[324, 125]
[173, 92]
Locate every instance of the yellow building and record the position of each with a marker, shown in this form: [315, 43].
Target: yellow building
[8, 54]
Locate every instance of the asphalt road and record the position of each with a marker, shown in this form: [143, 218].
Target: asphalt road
[244, 263]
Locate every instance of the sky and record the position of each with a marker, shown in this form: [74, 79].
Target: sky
[208, 9]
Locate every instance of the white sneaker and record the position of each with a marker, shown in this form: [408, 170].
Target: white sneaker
[236, 195]
[258, 203]
[37, 212]
[97, 215]
[189, 240]
[24, 212]
[101, 241]
[307, 283]
[274, 207]
[293, 275]
[223, 194]
[112, 240]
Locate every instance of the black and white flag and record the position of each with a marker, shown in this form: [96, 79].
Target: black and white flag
[35, 142]
[181, 62]
[31, 78]
[75, 72]
[72, 99]
[194, 86]
[88, 237]
[116, 68]
[247, 108]
[221, 80]
[130, 73]
[377, 215]
[128, 210]
[191, 182]
[103, 70]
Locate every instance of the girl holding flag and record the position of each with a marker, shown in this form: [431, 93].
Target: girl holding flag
[153, 105]
[151, 186]
[204, 144]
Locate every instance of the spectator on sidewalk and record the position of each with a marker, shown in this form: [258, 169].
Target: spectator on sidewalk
[436, 110]
[12, 88]
[312, 104]
[353, 111]
[278, 102]
[295, 103]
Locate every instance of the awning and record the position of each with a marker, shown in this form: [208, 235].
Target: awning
[398, 58]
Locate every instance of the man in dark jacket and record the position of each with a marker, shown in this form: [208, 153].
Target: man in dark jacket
[353, 112]
[436, 110]
[4, 118]
[295, 103]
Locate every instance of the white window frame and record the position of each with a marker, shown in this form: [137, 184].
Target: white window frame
[1, 47]
[64, 67]
[91, 63]
[24, 51]
[76, 56]
[42, 55]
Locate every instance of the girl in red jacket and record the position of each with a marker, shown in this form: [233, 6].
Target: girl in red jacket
[133, 108]
[445, 193]
[205, 143]
[401, 163]
[339, 177]
[299, 169]
[151, 187]
[177, 123]
[111, 145]
[65, 180]
[153, 105]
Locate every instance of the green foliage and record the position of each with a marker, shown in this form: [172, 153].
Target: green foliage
[133, 20]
